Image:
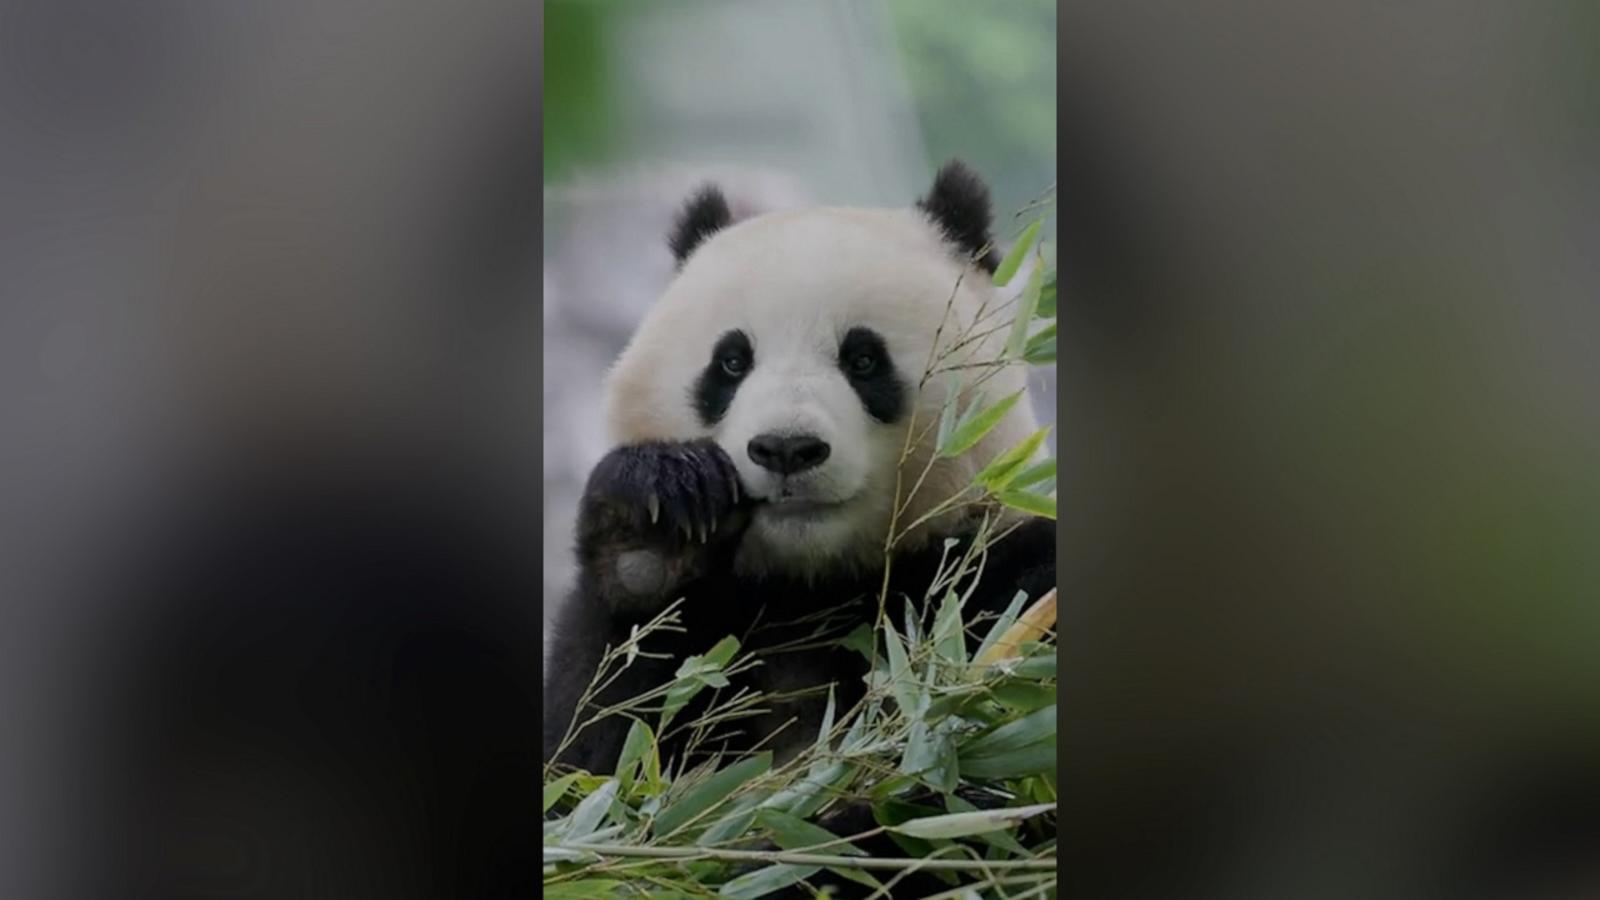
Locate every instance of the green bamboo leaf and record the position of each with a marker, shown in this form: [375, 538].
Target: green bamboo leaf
[723, 651]
[1036, 727]
[859, 876]
[1047, 296]
[972, 430]
[954, 825]
[694, 674]
[947, 412]
[1041, 348]
[1028, 502]
[562, 854]
[1018, 252]
[817, 788]
[827, 723]
[1043, 474]
[796, 834]
[1026, 304]
[735, 822]
[1025, 696]
[859, 640]
[1001, 839]
[555, 790]
[1041, 665]
[639, 741]
[590, 812]
[949, 639]
[710, 792]
[932, 756]
[1003, 469]
[901, 679]
[583, 888]
[1019, 763]
[765, 881]
[1003, 624]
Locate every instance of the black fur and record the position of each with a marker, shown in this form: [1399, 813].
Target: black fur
[714, 389]
[703, 215]
[959, 204]
[880, 388]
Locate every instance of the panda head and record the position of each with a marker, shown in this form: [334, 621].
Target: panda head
[799, 341]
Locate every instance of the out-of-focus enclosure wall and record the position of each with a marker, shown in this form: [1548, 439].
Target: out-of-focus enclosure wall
[784, 104]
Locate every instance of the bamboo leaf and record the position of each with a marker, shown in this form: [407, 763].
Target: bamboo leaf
[710, 792]
[1043, 474]
[1025, 696]
[1018, 252]
[639, 741]
[1047, 296]
[762, 882]
[1042, 665]
[954, 825]
[1002, 625]
[792, 833]
[1022, 747]
[1029, 502]
[736, 822]
[583, 889]
[901, 680]
[1029, 760]
[1001, 839]
[590, 812]
[948, 637]
[555, 790]
[723, 651]
[816, 789]
[859, 640]
[948, 412]
[1003, 469]
[1041, 348]
[1026, 304]
[970, 432]
[694, 674]
[562, 854]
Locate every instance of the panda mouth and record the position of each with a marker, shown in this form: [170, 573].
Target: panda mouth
[799, 507]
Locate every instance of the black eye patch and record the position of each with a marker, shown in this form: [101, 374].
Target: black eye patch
[864, 360]
[731, 360]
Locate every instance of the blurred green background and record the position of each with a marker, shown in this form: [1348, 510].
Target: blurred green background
[816, 89]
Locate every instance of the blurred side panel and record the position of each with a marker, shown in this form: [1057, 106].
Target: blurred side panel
[268, 476]
[1331, 414]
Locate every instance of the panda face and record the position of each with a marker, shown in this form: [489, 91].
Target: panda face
[799, 342]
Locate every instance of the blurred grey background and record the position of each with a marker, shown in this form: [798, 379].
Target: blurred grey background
[839, 102]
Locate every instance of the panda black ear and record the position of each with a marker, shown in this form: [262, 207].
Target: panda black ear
[705, 213]
[959, 204]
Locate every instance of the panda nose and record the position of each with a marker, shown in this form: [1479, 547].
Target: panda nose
[788, 454]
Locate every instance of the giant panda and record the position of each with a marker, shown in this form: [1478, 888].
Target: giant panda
[760, 414]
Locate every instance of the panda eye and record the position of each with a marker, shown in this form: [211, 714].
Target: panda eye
[863, 364]
[734, 365]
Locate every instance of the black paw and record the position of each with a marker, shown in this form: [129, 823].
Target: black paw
[682, 493]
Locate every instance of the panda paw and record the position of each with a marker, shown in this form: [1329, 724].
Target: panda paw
[653, 513]
[686, 491]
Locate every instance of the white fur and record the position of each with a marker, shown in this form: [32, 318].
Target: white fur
[796, 282]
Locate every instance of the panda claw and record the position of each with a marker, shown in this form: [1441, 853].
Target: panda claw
[654, 503]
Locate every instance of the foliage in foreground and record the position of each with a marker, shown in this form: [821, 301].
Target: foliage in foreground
[937, 728]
